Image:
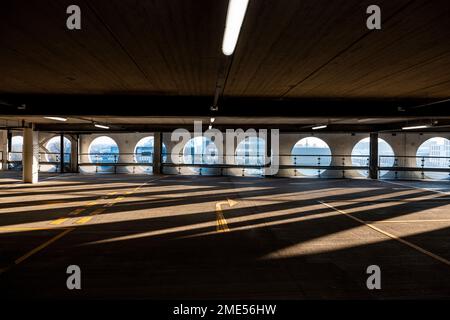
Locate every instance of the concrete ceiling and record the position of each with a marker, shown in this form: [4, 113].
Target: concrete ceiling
[290, 49]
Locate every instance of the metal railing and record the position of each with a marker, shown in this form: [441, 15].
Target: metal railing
[104, 162]
[289, 164]
[298, 164]
[49, 159]
[426, 166]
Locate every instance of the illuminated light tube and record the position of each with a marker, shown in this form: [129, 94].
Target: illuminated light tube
[213, 119]
[235, 18]
[415, 127]
[210, 127]
[101, 126]
[56, 118]
[319, 127]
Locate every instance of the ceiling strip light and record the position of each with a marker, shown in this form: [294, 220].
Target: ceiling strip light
[101, 126]
[56, 118]
[235, 18]
[319, 127]
[415, 127]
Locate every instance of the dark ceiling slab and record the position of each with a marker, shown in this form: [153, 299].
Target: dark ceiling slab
[292, 49]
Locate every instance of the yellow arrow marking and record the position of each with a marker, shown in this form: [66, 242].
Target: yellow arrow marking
[221, 222]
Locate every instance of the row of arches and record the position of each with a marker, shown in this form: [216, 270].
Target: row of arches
[201, 150]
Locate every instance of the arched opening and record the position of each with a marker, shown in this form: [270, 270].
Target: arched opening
[311, 151]
[143, 153]
[251, 152]
[361, 155]
[54, 148]
[198, 151]
[103, 150]
[434, 153]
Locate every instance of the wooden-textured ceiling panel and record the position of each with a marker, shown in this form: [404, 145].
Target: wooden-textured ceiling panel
[287, 48]
[163, 47]
[317, 48]
[407, 58]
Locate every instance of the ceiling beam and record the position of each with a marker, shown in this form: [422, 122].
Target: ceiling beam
[142, 105]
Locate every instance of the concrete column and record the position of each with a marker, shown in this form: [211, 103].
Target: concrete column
[3, 149]
[157, 152]
[268, 153]
[61, 153]
[30, 155]
[74, 154]
[373, 161]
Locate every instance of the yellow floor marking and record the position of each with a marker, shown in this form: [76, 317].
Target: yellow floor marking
[409, 221]
[221, 222]
[93, 203]
[76, 212]
[119, 198]
[392, 236]
[98, 211]
[83, 220]
[42, 246]
[129, 192]
[28, 228]
[59, 221]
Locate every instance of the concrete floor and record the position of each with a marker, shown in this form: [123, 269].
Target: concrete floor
[161, 237]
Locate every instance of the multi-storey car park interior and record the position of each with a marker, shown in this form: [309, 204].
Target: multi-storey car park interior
[121, 151]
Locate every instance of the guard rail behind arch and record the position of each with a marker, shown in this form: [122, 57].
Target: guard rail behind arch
[291, 165]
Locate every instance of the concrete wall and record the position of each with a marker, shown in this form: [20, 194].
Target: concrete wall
[342, 144]
[126, 143]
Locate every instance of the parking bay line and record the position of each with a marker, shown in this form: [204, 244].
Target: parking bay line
[394, 237]
[37, 249]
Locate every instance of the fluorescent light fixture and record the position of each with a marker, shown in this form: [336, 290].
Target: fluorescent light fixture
[319, 127]
[213, 119]
[101, 126]
[415, 127]
[56, 118]
[210, 127]
[235, 17]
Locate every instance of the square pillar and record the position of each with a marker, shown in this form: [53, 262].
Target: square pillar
[30, 160]
[74, 154]
[268, 153]
[157, 152]
[3, 150]
[61, 153]
[373, 159]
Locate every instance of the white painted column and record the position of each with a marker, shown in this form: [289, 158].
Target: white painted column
[30, 160]
[3, 149]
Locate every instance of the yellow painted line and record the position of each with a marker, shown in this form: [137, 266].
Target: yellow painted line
[59, 221]
[221, 222]
[119, 199]
[83, 220]
[42, 246]
[409, 221]
[77, 212]
[98, 211]
[93, 203]
[129, 192]
[27, 228]
[392, 236]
